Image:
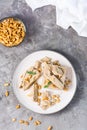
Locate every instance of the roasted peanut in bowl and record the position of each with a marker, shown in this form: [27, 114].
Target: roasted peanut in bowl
[12, 31]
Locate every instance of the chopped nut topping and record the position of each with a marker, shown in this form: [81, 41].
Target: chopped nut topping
[50, 128]
[27, 79]
[39, 87]
[26, 122]
[6, 93]
[45, 98]
[20, 86]
[30, 76]
[57, 100]
[66, 89]
[21, 76]
[37, 123]
[46, 81]
[54, 96]
[14, 119]
[39, 69]
[39, 93]
[39, 100]
[67, 82]
[21, 121]
[30, 118]
[18, 106]
[6, 84]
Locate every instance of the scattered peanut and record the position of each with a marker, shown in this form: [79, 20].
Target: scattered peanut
[50, 128]
[14, 119]
[6, 93]
[26, 122]
[6, 84]
[18, 106]
[30, 118]
[21, 121]
[37, 123]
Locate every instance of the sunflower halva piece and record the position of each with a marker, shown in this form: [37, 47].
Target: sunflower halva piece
[29, 78]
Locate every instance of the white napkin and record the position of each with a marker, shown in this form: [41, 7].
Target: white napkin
[68, 13]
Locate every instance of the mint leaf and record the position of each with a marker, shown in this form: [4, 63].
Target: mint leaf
[31, 72]
[46, 86]
[49, 82]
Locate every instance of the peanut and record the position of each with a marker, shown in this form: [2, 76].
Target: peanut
[18, 106]
[6, 93]
[37, 123]
[14, 119]
[6, 84]
[26, 122]
[21, 121]
[30, 118]
[50, 128]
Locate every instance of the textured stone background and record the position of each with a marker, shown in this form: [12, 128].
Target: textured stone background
[42, 33]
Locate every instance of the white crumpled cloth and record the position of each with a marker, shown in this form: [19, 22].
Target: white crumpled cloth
[68, 13]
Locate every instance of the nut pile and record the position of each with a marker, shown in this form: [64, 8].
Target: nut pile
[12, 32]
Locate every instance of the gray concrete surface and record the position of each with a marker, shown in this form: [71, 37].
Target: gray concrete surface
[42, 33]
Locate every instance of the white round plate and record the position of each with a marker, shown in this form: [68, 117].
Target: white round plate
[65, 96]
